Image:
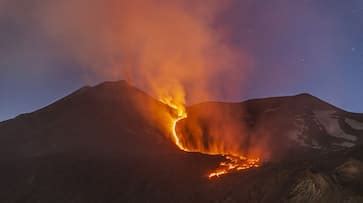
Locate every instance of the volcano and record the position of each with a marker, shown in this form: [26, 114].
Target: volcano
[105, 144]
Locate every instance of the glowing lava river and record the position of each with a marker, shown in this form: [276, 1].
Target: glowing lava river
[232, 163]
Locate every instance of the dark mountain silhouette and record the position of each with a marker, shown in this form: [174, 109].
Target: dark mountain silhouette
[106, 144]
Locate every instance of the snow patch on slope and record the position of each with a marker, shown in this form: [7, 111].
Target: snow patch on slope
[331, 124]
[298, 134]
[354, 124]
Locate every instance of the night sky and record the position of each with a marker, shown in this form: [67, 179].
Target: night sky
[313, 46]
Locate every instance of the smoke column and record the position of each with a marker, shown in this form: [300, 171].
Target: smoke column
[171, 49]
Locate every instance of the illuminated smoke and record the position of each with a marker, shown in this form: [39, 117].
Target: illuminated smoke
[171, 49]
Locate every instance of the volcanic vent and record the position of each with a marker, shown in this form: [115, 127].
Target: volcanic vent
[100, 145]
[234, 159]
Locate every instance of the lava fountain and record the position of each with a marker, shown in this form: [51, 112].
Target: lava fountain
[232, 162]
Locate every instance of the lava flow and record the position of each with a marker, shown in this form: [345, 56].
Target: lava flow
[234, 163]
[231, 163]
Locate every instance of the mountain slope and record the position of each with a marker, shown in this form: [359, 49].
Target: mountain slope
[91, 144]
[276, 127]
[109, 143]
[86, 119]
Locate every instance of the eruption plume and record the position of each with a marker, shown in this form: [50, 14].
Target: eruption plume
[174, 50]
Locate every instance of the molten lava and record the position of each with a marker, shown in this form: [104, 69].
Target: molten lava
[232, 163]
[175, 136]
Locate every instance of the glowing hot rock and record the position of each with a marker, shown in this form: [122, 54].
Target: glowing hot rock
[232, 163]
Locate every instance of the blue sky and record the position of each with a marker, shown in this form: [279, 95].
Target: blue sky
[313, 46]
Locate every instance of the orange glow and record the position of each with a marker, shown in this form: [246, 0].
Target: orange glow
[164, 47]
[180, 114]
[175, 136]
[232, 163]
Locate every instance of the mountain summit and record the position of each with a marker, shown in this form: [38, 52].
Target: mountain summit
[105, 144]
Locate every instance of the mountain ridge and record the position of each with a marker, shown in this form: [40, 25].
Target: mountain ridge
[98, 145]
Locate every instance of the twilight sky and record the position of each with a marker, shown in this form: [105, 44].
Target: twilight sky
[313, 46]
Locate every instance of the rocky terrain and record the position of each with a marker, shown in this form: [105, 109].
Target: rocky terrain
[98, 145]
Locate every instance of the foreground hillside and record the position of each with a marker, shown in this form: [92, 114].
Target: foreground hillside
[98, 145]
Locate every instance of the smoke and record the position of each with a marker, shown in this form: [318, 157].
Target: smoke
[171, 49]
[224, 128]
